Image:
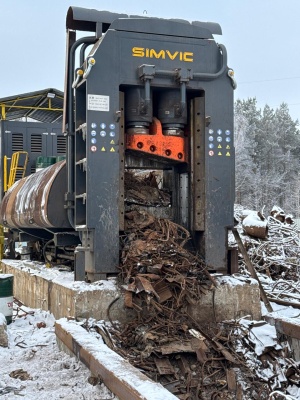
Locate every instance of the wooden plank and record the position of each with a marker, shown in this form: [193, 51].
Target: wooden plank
[125, 381]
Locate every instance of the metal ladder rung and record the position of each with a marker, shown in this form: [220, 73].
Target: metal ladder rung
[15, 167]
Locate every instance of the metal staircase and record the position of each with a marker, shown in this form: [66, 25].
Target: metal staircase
[17, 170]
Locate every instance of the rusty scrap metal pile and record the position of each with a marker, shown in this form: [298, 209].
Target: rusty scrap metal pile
[144, 190]
[233, 360]
[162, 279]
[273, 246]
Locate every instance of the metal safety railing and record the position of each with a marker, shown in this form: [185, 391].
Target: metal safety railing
[1, 242]
[17, 170]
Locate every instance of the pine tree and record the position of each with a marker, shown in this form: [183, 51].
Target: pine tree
[267, 146]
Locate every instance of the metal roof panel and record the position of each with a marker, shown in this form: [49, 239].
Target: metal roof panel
[37, 105]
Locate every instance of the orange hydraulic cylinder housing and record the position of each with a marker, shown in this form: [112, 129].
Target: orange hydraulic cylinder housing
[158, 144]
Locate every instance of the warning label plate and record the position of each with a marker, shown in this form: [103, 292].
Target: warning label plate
[97, 102]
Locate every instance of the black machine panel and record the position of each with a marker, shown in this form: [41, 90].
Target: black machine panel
[173, 74]
[38, 139]
[148, 93]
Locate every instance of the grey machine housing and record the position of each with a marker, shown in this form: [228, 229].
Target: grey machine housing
[147, 56]
[132, 71]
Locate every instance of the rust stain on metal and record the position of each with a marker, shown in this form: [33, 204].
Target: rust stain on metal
[34, 201]
[163, 291]
[164, 366]
[176, 347]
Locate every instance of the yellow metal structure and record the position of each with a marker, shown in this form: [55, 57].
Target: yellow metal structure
[4, 173]
[1, 242]
[18, 163]
[48, 101]
[46, 105]
[17, 171]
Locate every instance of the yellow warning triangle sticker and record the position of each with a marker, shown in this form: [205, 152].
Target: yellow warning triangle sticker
[112, 142]
[112, 150]
[219, 154]
[103, 149]
[228, 147]
[219, 147]
[228, 154]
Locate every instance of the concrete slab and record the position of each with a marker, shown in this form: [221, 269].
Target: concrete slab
[56, 291]
[124, 380]
[235, 297]
[50, 289]
[290, 327]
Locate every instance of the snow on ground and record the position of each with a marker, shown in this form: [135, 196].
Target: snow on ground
[49, 373]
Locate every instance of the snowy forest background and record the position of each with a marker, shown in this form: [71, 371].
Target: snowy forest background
[267, 144]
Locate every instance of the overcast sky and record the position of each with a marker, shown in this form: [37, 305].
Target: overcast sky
[262, 38]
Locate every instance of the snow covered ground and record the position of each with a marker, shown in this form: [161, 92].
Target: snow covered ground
[33, 367]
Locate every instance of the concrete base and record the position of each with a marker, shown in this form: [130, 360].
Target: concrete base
[56, 291]
[233, 298]
[295, 347]
[290, 328]
[3, 332]
[124, 380]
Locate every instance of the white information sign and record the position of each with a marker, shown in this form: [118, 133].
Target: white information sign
[97, 102]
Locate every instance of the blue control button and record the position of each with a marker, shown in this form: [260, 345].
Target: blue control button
[211, 145]
[227, 132]
[94, 140]
[112, 134]
[93, 125]
[210, 138]
[228, 139]
[219, 139]
[102, 133]
[210, 131]
[102, 125]
[93, 133]
[219, 131]
[112, 126]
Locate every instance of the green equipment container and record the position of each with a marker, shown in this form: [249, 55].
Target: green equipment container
[44, 162]
[60, 158]
[6, 296]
